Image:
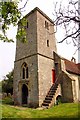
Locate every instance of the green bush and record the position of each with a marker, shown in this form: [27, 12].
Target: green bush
[7, 83]
[7, 100]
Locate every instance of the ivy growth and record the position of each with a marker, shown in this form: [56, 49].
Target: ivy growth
[21, 34]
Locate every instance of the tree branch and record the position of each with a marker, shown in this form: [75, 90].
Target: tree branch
[67, 18]
[24, 5]
[68, 36]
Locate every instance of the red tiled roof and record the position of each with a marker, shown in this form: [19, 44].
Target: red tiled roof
[78, 65]
[72, 67]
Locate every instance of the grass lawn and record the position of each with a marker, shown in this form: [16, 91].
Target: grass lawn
[67, 110]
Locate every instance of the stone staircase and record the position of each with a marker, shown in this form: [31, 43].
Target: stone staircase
[50, 95]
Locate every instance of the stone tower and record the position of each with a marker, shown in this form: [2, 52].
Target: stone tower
[34, 60]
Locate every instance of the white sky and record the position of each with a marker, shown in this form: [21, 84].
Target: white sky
[7, 50]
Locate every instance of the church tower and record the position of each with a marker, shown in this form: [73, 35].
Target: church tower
[34, 60]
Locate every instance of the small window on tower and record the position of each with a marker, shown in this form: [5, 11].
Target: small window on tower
[27, 24]
[47, 43]
[46, 25]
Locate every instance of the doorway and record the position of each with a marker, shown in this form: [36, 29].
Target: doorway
[24, 94]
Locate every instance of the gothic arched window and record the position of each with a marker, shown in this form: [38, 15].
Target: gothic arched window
[24, 71]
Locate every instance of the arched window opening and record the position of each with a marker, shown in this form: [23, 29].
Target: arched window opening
[27, 72]
[24, 71]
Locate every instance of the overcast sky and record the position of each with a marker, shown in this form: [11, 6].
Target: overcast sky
[7, 50]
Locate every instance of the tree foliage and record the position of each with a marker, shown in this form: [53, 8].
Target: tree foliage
[68, 18]
[21, 33]
[10, 14]
[7, 83]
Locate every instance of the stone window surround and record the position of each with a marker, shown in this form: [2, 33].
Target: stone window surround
[24, 71]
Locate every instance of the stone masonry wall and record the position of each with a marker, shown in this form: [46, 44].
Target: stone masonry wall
[32, 84]
[76, 87]
[43, 35]
[29, 48]
[75, 82]
[45, 55]
[45, 67]
[66, 89]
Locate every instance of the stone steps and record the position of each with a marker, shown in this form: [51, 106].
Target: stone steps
[48, 99]
[45, 104]
[51, 93]
[49, 96]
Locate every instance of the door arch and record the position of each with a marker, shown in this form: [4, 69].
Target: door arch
[24, 94]
[58, 99]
